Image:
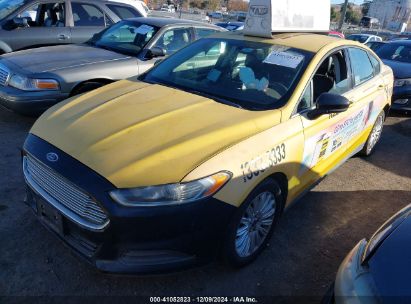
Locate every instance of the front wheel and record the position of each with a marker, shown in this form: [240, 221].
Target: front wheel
[253, 224]
[374, 136]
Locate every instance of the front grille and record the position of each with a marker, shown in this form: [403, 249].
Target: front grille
[63, 195]
[4, 75]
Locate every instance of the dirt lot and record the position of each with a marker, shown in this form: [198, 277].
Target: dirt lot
[313, 236]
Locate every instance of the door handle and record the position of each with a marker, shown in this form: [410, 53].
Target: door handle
[63, 37]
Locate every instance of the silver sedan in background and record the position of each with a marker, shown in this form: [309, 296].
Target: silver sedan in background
[31, 81]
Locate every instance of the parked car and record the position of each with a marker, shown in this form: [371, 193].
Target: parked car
[139, 5]
[336, 34]
[205, 150]
[168, 8]
[375, 45]
[231, 25]
[33, 80]
[397, 55]
[241, 16]
[217, 15]
[377, 270]
[364, 38]
[56, 22]
[369, 22]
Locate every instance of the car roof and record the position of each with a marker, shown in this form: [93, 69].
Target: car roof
[304, 41]
[160, 22]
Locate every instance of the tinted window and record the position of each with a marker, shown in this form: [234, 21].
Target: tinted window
[360, 65]
[124, 12]
[87, 15]
[396, 52]
[250, 74]
[203, 32]
[174, 39]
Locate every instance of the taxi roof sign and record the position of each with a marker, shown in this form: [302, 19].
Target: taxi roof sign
[265, 17]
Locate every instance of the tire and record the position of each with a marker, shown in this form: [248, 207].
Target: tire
[374, 136]
[241, 229]
[86, 87]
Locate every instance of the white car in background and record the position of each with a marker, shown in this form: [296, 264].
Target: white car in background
[364, 38]
[139, 5]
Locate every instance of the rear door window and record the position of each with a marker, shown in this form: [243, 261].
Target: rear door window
[124, 12]
[361, 66]
[87, 15]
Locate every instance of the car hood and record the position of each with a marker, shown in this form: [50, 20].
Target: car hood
[138, 134]
[48, 59]
[390, 264]
[401, 69]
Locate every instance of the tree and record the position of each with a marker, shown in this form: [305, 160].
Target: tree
[352, 15]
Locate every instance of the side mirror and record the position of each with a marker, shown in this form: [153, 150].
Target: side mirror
[155, 52]
[20, 22]
[328, 103]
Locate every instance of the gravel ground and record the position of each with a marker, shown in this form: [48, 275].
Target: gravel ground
[311, 240]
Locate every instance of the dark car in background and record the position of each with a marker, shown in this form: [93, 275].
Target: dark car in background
[397, 55]
[231, 25]
[33, 80]
[375, 45]
[33, 23]
[377, 270]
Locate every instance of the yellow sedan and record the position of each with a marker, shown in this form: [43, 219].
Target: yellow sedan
[205, 150]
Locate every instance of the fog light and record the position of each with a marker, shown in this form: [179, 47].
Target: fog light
[402, 101]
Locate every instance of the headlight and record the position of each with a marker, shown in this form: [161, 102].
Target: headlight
[171, 194]
[28, 84]
[402, 82]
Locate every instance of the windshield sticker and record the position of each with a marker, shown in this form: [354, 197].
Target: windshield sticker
[143, 29]
[284, 59]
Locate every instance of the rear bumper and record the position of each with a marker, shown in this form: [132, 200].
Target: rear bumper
[136, 240]
[29, 103]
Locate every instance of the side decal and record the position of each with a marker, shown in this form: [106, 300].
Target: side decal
[325, 143]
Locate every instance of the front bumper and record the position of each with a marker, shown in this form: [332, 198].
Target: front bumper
[29, 103]
[136, 240]
[402, 94]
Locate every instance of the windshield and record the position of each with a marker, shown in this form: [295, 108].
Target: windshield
[9, 6]
[396, 52]
[251, 75]
[128, 37]
[358, 38]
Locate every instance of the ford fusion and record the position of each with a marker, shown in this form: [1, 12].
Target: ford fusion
[202, 153]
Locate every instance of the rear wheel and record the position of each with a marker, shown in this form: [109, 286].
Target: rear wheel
[253, 224]
[374, 136]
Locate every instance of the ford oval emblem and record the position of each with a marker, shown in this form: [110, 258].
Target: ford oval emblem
[52, 157]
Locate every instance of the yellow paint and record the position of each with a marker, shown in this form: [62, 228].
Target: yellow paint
[137, 134]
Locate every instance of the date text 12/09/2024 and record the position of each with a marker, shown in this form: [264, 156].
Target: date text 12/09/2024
[238, 299]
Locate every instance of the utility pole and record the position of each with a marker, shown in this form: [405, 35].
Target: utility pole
[344, 12]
